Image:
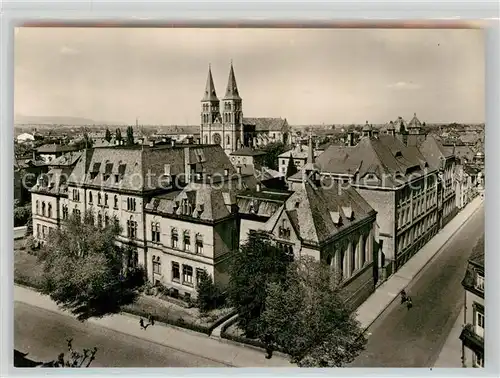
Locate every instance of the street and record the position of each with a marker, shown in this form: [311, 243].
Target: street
[43, 334]
[414, 338]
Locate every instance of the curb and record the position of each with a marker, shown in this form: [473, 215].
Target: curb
[425, 265]
[248, 346]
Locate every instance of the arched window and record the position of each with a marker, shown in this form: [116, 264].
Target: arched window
[206, 139]
[90, 197]
[116, 201]
[50, 210]
[228, 140]
[99, 198]
[37, 207]
[43, 208]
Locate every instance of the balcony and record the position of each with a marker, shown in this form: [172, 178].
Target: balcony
[471, 339]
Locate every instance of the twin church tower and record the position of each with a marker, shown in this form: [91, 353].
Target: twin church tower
[222, 120]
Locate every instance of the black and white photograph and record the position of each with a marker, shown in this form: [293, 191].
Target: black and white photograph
[249, 197]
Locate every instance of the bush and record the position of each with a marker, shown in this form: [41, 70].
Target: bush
[209, 296]
[22, 214]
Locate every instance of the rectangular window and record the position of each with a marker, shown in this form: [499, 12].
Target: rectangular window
[187, 274]
[199, 244]
[105, 200]
[479, 326]
[155, 232]
[44, 232]
[116, 202]
[38, 231]
[479, 282]
[131, 204]
[187, 241]
[156, 265]
[199, 272]
[176, 274]
[174, 238]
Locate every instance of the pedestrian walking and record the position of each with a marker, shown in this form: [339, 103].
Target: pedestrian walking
[269, 346]
[151, 320]
[409, 304]
[141, 323]
[403, 296]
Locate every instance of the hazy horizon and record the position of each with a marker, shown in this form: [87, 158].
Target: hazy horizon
[308, 76]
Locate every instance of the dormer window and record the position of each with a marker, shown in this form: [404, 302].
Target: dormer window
[336, 218]
[284, 230]
[479, 282]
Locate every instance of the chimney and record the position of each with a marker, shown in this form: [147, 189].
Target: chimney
[258, 187]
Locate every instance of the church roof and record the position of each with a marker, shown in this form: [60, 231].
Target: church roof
[210, 94]
[232, 88]
[267, 124]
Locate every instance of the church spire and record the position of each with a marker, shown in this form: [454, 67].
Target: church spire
[210, 94]
[310, 152]
[232, 88]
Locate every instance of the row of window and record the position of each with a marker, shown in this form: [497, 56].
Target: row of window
[186, 239]
[46, 209]
[131, 202]
[356, 256]
[42, 232]
[184, 276]
[422, 226]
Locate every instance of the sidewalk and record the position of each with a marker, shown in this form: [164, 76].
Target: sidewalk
[451, 354]
[383, 296]
[186, 341]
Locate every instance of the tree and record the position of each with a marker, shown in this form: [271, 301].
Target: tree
[108, 136]
[208, 295]
[130, 136]
[291, 169]
[306, 315]
[257, 263]
[118, 135]
[83, 269]
[273, 150]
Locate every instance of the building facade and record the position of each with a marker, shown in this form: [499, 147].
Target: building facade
[472, 335]
[126, 183]
[399, 185]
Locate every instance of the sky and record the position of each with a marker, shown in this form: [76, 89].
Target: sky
[308, 76]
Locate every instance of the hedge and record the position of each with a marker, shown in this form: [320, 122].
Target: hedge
[174, 322]
[244, 340]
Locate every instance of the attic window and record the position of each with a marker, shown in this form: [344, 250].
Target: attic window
[336, 218]
[398, 154]
[349, 213]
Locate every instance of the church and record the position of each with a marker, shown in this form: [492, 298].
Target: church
[222, 121]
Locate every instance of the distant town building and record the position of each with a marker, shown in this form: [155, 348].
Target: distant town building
[25, 137]
[49, 152]
[298, 155]
[472, 335]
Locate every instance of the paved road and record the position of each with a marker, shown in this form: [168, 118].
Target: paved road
[42, 334]
[414, 338]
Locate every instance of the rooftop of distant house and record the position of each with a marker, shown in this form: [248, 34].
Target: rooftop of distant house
[55, 148]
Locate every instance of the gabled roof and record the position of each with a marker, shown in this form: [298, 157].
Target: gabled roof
[267, 124]
[207, 203]
[68, 159]
[309, 209]
[433, 151]
[477, 255]
[383, 156]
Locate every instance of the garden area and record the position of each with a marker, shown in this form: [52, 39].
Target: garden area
[151, 301]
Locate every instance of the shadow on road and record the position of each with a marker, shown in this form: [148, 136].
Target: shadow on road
[21, 361]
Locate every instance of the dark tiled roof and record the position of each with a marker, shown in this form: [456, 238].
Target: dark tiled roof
[434, 151]
[68, 159]
[55, 148]
[207, 203]
[264, 203]
[142, 169]
[268, 124]
[54, 182]
[311, 209]
[374, 157]
[247, 151]
[477, 255]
